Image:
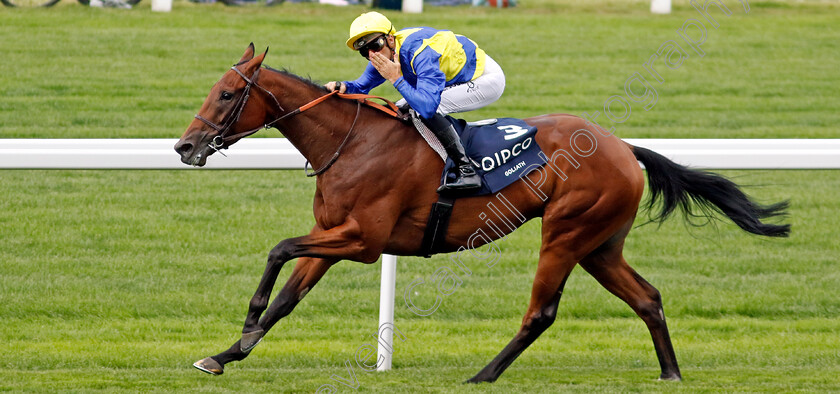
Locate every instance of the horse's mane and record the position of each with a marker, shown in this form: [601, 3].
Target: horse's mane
[307, 81]
[317, 86]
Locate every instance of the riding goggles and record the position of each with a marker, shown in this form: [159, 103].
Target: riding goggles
[373, 44]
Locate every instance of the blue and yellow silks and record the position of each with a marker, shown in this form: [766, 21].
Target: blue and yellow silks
[430, 60]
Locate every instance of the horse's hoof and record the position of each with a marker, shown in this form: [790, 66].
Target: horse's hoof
[210, 366]
[477, 380]
[675, 377]
[250, 339]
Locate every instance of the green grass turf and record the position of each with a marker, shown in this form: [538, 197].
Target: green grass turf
[119, 280]
[77, 72]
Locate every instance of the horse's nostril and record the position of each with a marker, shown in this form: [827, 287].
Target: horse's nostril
[184, 148]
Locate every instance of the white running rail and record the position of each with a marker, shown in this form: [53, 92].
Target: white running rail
[278, 153]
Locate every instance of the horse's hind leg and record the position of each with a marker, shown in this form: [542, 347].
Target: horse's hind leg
[608, 266]
[552, 271]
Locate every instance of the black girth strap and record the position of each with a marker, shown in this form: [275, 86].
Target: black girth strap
[437, 226]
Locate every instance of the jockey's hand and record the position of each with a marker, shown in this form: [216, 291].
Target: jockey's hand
[389, 70]
[331, 86]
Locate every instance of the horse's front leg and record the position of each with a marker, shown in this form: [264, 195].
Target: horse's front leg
[342, 242]
[306, 274]
[324, 248]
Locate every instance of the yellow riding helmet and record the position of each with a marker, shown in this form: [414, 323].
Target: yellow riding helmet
[367, 23]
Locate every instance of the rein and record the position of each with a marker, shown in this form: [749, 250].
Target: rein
[221, 139]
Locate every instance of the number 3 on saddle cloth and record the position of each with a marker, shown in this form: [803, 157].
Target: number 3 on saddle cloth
[501, 149]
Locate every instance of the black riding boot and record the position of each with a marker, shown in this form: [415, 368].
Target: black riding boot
[465, 177]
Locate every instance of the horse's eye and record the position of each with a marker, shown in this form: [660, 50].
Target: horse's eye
[227, 95]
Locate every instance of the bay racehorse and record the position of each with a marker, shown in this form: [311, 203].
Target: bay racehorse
[376, 185]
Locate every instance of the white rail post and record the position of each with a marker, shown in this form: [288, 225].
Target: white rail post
[162, 5]
[387, 290]
[660, 6]
[412, 6]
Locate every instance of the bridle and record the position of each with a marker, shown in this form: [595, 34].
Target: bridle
[221, 140]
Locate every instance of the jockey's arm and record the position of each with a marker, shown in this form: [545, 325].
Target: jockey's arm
[425, 97]
[367, 81]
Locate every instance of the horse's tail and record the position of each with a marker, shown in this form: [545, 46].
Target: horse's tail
[677, 185]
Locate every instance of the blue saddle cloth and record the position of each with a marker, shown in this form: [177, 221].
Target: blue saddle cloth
[503, 149]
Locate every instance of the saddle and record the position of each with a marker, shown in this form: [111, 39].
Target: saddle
[501, 149]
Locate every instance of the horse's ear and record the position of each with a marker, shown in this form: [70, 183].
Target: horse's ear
[254, 63]
[262, 57]
[249, 53]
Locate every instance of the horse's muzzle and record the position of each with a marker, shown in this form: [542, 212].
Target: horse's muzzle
[191, 153]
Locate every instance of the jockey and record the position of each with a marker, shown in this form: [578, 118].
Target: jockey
[436, 71]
